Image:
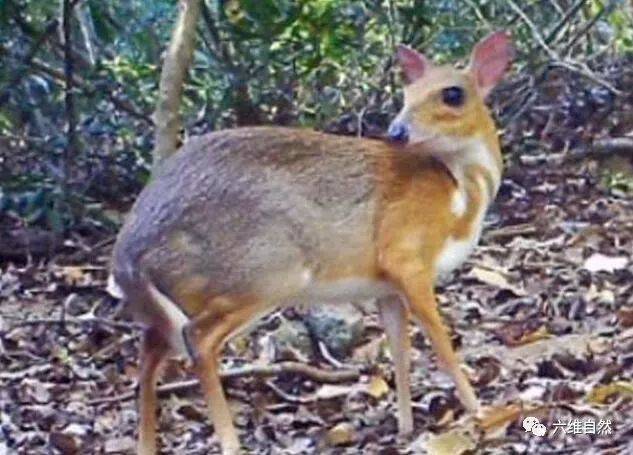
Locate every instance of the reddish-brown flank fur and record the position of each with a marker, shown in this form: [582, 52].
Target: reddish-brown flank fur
[242, 221]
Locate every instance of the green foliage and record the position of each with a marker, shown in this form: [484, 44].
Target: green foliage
[321, 63]
[44, 206]
[621, 20]
[619, 183]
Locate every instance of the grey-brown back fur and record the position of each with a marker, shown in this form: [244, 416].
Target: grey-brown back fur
[235, 207]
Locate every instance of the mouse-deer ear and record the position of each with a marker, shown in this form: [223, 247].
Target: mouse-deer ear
[490, 59]
[412, 63]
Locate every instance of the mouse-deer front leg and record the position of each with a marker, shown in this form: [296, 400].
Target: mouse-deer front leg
[415, 279]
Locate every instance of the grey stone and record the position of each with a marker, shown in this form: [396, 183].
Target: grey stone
[340, 327]
[292, 340]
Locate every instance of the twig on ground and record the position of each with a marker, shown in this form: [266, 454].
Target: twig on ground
[609, 145]
[120, 325]
[602, 148]
[287, 397]
[27, 372]
[313, 373]
[328, 356]
[511, 231]
[316, 374]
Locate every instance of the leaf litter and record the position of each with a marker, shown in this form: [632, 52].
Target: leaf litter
[542, 314]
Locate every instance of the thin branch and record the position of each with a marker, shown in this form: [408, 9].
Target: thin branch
[583, 31]
[71, 114]
[511, 231]
[55, 73]
[535, 31]
[178, 58]
[57, 44]
[583, 70]
[41, 39]
[310, 372]
[328, 356]
[479, 13]
[26, 60]
[553, 34]
[557, 6]
[130, 108]
[78, 81]
[86, 26]
[288, 397]
[219, 47]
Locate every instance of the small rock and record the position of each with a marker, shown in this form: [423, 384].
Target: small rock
[341, 434]
[120, 445]
[292, 340]
[64, 442]
[339, 327]
[625, 317]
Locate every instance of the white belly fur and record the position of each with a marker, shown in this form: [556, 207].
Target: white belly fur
[341, 291]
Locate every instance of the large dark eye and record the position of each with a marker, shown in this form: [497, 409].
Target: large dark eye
[453, 96]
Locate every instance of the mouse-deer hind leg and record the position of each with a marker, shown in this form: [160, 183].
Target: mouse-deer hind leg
[206, 335]
[154, 349]
[395, 317]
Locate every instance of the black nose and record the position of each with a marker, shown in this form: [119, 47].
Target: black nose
[398, 132]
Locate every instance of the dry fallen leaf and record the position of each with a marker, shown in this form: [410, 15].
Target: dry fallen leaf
[600, 394]
[371, 351]
[517, 335]
[454, 442]
[447, 418]
[73, 275]
[377, 387]
[341, 434]
[539, 334]
[495, 279]
[495, 420]
[625, 317]
[605, 296]
[329, 391]
[600, 263]
[64, 443]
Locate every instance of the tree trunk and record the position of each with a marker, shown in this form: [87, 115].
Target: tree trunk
[175, 67]
[72, 147]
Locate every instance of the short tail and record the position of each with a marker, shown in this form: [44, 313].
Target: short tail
[114, 289]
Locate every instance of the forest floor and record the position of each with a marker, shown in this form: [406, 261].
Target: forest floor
[542, 314]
